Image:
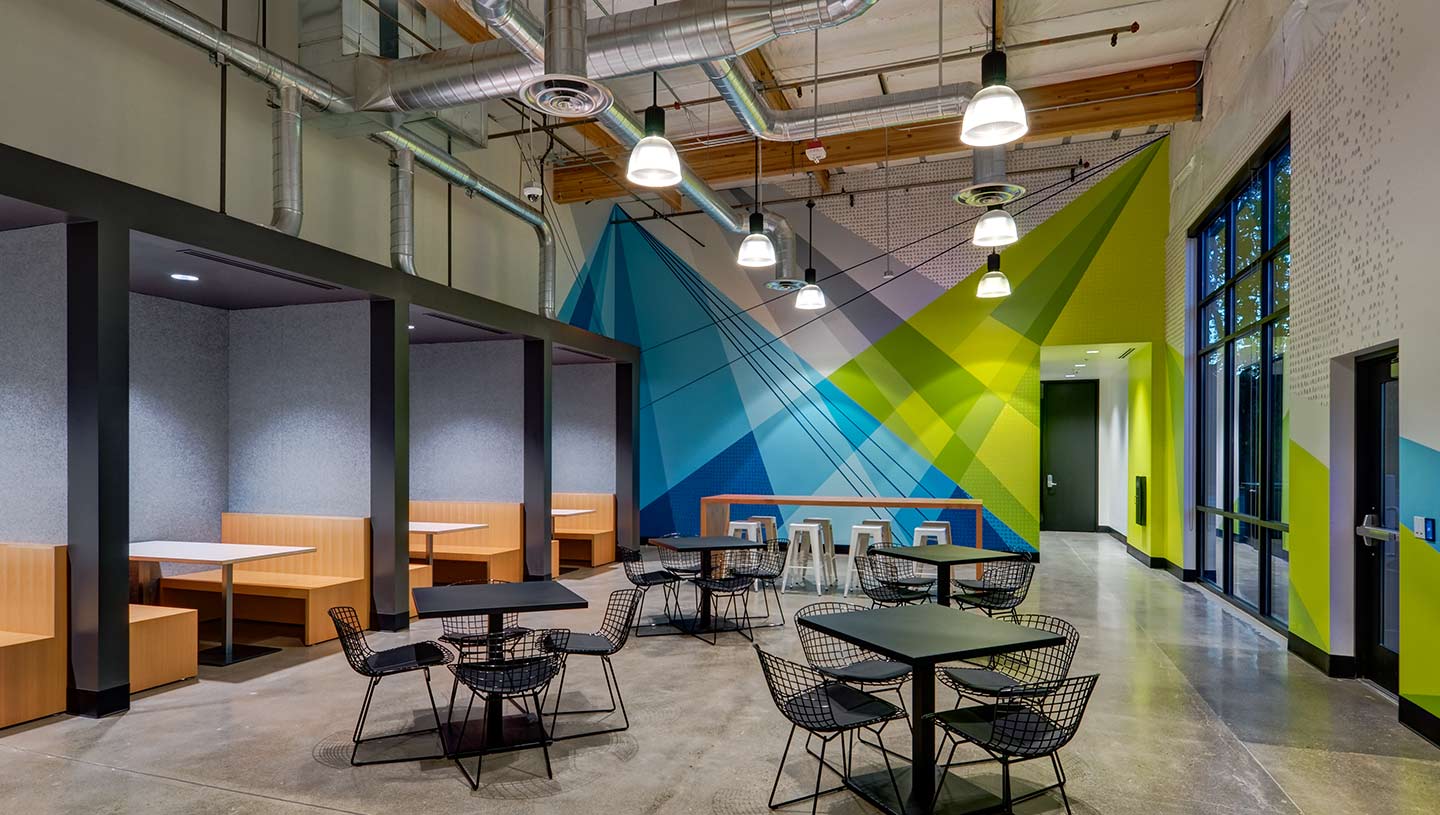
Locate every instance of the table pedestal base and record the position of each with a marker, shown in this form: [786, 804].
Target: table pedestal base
[238, 653]
[517, 732]
[959, 796]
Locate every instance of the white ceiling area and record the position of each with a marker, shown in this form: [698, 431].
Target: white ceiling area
[1100, 361]
[893, 32]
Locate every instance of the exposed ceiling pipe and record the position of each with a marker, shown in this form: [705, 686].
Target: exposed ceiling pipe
[402, 211]
[653, 38]
[524, 28]
[287, 185]
[278, 72]
[847, 116]
[563, 90]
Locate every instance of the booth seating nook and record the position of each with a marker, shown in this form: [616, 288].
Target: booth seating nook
[162, 645]
[33, 625]
[587, 540]
[296, 589]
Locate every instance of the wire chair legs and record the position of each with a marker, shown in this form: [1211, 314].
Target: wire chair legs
[742, 622]
[1008, 799]
[673, 612]
[357, 737]
[546, 736]
[847, 756]
[617, 699]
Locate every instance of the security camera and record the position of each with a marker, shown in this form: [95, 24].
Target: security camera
[532, 191]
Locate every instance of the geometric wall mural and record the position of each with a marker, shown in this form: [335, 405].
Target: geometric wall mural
[944, 403]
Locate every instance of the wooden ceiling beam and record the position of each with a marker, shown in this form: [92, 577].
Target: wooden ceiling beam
[762, 73]
[460, 16]
[1157, 95]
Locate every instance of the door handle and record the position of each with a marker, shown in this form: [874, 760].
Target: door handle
[1049, 481]
[1374, 535]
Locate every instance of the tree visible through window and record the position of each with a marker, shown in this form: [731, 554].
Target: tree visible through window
[1242, 332]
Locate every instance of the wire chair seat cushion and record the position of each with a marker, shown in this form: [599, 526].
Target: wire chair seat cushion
[651, 579]
[733, 584]
[868, 671]
[634, 562]
[985, 681]
[1028, 721]
[1035, 668]
[620, 611]
[837, 706]
[407, 658]
[881, 576]
[589, 645]
[1002, 585]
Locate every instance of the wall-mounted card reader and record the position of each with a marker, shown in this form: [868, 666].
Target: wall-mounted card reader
[1424, 528]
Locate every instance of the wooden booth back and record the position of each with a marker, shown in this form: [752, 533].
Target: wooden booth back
[601, 520]
[32, 589]
[506, 521]
[342, 544]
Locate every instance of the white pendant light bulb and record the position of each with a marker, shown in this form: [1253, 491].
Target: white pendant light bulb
[756, 251]
[810, 298]
[995, 115]
[996, 228]
[993, 283]
[653, 160]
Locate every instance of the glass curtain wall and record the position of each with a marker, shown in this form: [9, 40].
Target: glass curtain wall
[1243, 330]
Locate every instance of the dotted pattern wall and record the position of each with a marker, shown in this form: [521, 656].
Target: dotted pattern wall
[1045, 172]
[1344, 283]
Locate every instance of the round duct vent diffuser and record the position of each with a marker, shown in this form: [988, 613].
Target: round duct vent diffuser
[568, 97]
[782, 283]
[989, 194]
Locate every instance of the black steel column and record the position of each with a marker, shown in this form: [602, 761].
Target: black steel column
[98, 383]
[537, 458]
[390, 463]
[627, 435]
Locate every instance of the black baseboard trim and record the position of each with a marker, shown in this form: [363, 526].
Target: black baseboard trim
[392, 622]
[96, 703]
[1154, 562]
[1149, 560]
[1112, 533]
[1333, 665]
[1420, 720]
[1181, 573]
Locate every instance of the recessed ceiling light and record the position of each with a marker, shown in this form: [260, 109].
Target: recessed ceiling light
[1079, 365]
[411, 327]
[1069, 376]
[1093, 351]
[188, 278]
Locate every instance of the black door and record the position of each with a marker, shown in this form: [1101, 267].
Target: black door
[1069, 455]
[1377, 520]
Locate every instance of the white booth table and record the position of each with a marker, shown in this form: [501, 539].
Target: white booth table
[430, 529]
[566, 513]
[224, 555]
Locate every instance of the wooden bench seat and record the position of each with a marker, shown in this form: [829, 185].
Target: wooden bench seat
[296, 589]
[492, 553]
[33, 625]
[589, 539]
[164, 645]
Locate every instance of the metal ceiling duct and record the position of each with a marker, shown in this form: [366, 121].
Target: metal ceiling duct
[847, 116]
[279, 73]
[402, 211]
[989, 186]
[653, 38]
[520, 25]
[287, 187]
[563, 89]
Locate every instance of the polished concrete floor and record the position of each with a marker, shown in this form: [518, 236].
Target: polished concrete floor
[1198, 710]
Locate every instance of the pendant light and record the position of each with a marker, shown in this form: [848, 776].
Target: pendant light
[993, 283]
[996, 228]
[995, 115]
[653, 160]
[810, 298]
[756, 251]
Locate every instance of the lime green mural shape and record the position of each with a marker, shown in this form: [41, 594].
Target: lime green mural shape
[1308, 486]
[1419, 611]
[960, 380]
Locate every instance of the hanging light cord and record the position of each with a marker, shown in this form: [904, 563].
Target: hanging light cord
[887, 202]
[758, 165]
[815, 88]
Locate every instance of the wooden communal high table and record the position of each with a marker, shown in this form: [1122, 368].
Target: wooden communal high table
[715, 509]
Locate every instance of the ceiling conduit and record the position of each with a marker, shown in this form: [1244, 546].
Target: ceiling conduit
[517, 26]
[848, 116]
[280, 73]
[653, 38]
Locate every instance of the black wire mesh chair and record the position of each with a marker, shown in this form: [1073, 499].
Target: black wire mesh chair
[826, 709]
[1001, 588]
[905, 573]
[503, 668]
[644, 579]
[460, 632]
[876, 580]
[846, 662]
[376, 665]
[620, 613]
[732, 590]
[1025, 723]
[1037, 668]
[764, 566]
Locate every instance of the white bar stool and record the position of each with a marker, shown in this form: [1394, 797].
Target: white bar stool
[861, 537]
[767, 526]
[885, 536]
[749, 530]
[938, 530]
[807, 543]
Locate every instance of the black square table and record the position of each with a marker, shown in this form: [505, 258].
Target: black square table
[494, 600]
[706, 546]
[943, 557]
[923, 636]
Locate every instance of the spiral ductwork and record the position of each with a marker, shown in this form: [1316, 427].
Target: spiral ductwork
[563, 90]
[402, 211]
[652, 38]
[287, 171]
